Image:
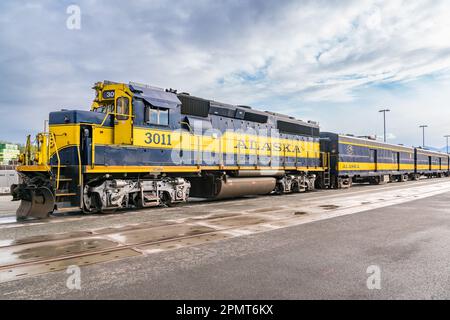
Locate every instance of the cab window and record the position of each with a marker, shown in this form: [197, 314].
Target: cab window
[123, 108]
[158, 116]
[105, 109]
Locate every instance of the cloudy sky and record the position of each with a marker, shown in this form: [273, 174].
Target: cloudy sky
[335, 62]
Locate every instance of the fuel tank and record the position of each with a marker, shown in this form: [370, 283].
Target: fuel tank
[230, 187]
[236, 187]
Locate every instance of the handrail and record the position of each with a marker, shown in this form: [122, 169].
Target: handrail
[114, 114]
[28, 150]
[198, 152]
[80, 174]
[58, 175]
[188, 125]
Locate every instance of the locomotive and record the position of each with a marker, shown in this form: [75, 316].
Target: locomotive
[141, 146]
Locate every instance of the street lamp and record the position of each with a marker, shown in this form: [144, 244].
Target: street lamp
[423, 134]
[447, 136]
[384, 121]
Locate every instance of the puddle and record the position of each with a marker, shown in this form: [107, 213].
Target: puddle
[299, 213]
[329, 206]
[44, 238]
[175, 244]
[35, 252]
[7, 220]
[19, 272]
[160, 233]
[266, 210]
[214, 216]
[145, 225]
[239, 221]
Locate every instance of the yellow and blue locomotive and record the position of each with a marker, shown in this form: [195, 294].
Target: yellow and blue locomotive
[141, 146]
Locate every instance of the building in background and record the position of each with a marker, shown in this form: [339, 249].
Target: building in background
[9, 153]
[8, 177]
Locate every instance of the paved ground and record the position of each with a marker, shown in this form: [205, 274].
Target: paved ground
[409, 242]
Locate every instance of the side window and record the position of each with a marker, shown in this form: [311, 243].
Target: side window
[164, 117]
[158, 116]
[123, 108]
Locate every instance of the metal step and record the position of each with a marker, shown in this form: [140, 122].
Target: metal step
[65, 194]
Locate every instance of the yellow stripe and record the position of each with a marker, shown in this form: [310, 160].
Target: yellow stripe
[433, 167]
[364, 166]
[38, 168]
[229, 142]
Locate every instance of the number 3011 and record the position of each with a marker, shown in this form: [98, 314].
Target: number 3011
[156, 138]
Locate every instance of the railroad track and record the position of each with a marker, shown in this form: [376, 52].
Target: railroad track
[37, 255]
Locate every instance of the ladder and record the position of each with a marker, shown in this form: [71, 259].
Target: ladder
[67, 193]
[326, 169]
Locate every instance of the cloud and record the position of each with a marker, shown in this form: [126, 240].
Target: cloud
[310, 58]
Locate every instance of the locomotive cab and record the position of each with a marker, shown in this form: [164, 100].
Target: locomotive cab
[116, 100]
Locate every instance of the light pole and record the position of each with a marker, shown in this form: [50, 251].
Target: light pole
[447, 136]
[423, 134]
[384, 122]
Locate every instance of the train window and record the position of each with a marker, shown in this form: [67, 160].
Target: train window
[105, 109]
[158, 116]
[123, 108]
[164, 117]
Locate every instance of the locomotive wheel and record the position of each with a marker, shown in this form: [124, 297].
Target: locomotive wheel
[166, 199]
[295, 187]
[279, 189]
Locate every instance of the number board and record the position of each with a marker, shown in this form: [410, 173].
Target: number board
[108, 94]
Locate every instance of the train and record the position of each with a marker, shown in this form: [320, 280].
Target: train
[141, 146]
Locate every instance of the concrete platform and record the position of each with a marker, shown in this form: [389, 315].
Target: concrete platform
[314, 245]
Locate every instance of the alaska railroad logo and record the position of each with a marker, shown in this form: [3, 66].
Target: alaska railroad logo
[349, 149]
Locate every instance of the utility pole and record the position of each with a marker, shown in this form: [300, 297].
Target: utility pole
[423, 134]
[447, 136]
[384, 122]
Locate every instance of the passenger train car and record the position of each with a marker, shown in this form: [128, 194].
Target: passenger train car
[430, 163]
[141, 146]
[355, 159]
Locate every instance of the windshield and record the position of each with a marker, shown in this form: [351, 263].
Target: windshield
[104, 109]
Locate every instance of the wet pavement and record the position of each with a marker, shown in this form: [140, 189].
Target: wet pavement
[43, 250]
